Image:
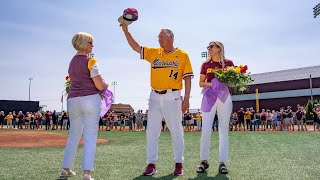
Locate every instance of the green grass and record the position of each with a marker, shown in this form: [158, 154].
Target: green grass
[253, 155]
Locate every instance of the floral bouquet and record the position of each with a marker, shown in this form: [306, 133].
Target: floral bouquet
[106, 95]
[236, 78]
[67, 84]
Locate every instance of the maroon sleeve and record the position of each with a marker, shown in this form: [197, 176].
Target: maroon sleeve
[229, 62]
[203, 70]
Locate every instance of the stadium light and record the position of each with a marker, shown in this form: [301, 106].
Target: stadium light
[316, 10]
[204, 55]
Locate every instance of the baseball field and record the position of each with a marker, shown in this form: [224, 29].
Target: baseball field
[253, 155]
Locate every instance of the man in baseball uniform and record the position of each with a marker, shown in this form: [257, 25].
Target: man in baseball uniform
[169, 66]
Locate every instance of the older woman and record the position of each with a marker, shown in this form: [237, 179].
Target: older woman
[84, 106]
[223, 107]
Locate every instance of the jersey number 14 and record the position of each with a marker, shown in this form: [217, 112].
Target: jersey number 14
[173, 75]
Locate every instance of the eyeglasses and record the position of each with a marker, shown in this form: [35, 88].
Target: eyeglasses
[211, 46]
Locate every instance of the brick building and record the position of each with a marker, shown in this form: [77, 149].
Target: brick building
[281, 89]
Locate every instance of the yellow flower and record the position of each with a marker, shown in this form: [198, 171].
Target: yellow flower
[241, 65]
[237, 70]
[229, 68]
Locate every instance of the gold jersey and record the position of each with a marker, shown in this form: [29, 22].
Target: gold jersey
[167, 68]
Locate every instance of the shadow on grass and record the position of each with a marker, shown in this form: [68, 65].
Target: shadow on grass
[205, 176]
[169, 176]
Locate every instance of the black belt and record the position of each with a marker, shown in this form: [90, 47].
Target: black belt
[164, 91]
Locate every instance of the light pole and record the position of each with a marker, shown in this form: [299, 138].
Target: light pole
[30, 79]
[114, 83]
[91, 55]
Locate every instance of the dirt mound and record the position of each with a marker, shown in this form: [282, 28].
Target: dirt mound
[35, 139]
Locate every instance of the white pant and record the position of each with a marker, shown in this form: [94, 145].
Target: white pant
[167, 106]
[224, 112]
[84, 114]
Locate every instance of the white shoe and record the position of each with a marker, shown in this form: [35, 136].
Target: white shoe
[87, 177]
[64, 173]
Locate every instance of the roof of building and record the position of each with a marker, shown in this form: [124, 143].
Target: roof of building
[121, 107]
[286, 75]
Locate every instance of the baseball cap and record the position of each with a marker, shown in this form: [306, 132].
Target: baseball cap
[129, 15]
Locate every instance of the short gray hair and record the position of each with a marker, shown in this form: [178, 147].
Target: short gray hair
[168, 32]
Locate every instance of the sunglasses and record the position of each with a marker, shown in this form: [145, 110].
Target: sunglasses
[90, 42]
[211, 46]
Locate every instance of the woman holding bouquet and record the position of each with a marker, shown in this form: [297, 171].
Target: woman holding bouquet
[216, 61]
[84, 106]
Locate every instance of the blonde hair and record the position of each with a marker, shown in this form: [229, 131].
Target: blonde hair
[221, 57]
[80, 40]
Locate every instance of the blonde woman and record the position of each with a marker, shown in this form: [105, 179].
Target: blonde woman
[84, 106]
[223, 106]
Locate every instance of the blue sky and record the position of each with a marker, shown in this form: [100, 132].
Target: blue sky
[36, 41]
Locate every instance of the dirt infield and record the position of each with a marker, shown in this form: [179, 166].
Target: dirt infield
[35, 139]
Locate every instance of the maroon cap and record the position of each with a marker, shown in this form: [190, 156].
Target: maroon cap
[129, 15]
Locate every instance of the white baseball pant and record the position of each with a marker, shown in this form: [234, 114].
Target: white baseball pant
[167, 106]
[84, 114]
[224, 112]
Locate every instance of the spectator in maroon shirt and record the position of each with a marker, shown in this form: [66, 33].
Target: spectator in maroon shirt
[20, 119]
[48, 119]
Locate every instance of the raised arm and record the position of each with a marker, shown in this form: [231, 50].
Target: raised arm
[132, 42]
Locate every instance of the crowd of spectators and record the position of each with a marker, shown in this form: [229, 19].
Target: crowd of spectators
[135, 121]
[35, 120]
[284, 119]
